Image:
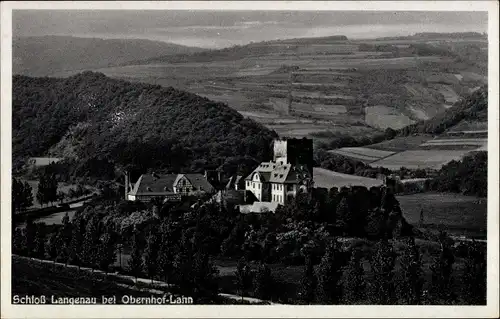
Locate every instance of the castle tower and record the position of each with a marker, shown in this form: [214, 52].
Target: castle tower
[298, 152]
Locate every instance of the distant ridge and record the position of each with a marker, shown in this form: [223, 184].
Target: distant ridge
[50, 55]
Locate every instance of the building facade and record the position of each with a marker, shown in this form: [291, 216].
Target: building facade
[290, 172]
[169, 187]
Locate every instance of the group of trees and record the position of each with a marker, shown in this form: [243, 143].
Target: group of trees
[468, 176]
[22, 195]
[178, 248]
[47, 189]
[352, 277]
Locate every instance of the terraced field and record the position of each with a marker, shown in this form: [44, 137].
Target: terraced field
[320, 79]
[422, 151]
[419, 159]
[363, 154]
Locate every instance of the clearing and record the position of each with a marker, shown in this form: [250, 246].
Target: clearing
[328, 179]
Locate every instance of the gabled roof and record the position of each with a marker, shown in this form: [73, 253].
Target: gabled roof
[155, 184]
[277, 173]
[158, 184]
[199, 182]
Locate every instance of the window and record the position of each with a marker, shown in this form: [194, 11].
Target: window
[253, 185]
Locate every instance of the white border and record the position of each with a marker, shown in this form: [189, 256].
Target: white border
[491, 310]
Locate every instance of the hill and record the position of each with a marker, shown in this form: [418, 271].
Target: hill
[102, 124]
[299, 87]
[47, 55]
[473, 107]
[428, 144]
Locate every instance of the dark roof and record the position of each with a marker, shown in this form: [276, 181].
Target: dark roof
[199, 182]
[277, 173]
[155, 184]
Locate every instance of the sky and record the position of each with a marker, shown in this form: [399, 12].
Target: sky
[218, 29]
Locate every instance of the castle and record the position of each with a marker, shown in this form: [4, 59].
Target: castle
[290, 172]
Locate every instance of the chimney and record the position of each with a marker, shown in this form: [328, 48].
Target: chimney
[126, 185]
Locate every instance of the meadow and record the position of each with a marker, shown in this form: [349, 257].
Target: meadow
[328, 179]
[455, 213]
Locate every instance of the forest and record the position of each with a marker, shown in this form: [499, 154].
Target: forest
[101, 125]
[380, 260]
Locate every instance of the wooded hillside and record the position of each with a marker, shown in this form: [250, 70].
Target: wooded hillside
[103, 123]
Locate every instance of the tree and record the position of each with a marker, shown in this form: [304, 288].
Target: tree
[30, 233]
[51, 246]
[67, 228]
[166, 251]
[61, 196]
[329, 274]
[165, 262]
[308, 282]
[263, 282]
[204, 277]
[474, 275]
[135, 264]
[39, 249]
[62, 247]
[151, 255]
[107, 251]
[410, 285]
[43, 189]
[342, 214]
[22, 196]
[18, 242]
[75, 246]
[243, 276]
[441, 269]
[354, 282]
[91, 243]
[382, 263]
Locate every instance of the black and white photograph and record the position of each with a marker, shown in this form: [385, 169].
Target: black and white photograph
[192, 154]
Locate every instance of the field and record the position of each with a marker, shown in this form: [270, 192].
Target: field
[422, 151]
[455, 213]
[382, 117]
[419, 159]
[334, 81]
[328, 179]
[363, 154]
